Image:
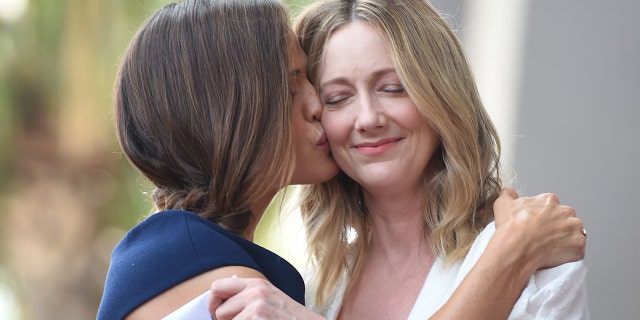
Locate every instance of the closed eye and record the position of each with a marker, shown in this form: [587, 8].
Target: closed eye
[393, 88]
[335, 100]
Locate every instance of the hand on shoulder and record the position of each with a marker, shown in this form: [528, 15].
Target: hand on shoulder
[541, 228]
[252, 298]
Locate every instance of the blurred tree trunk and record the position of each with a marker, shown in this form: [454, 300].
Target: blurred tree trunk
[64, 170]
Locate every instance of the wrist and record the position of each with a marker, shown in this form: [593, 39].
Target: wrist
[516, 252]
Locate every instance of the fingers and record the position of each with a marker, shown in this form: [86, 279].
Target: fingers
[582, 244]
[548, 230]
[566, 242]
[549, 198]
[240, 298]
[260, 299]
[568, 245]
[223, 289]
[508, 192]
[580, 234]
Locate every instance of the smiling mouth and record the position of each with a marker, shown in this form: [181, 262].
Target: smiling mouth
[377, 143]
[376, 148]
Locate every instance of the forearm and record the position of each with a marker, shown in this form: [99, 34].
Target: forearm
[494, 284]
[534, 232]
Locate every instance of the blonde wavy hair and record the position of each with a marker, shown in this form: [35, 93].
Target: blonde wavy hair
[434, 70]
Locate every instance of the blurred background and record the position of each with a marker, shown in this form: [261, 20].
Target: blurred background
[560, 78]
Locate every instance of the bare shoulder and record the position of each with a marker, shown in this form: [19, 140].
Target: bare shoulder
[170, 300]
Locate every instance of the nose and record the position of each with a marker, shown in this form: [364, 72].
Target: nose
[370, 116]
[312, 110]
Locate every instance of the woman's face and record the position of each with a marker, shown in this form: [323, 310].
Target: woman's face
[376, 133]
[314, 162]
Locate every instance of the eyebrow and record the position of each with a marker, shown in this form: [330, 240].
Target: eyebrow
[343, 80]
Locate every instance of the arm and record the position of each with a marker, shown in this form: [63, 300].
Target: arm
[172, 299]
[532, 233]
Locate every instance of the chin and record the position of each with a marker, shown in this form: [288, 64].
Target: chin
[316, 174]
[332, 171]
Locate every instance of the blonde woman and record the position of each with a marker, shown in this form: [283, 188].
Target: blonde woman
[418, 187]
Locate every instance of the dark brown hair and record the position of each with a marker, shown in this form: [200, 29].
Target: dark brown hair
[202, 106]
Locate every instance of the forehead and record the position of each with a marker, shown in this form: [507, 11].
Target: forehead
[356, 48]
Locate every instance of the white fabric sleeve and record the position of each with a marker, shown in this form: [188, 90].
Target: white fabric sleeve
[554, 293]
[196, 309]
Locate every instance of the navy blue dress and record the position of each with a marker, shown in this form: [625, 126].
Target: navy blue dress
[172, 246]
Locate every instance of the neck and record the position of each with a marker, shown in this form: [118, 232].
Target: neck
[257, 211]
[398, 227]
[398, 245]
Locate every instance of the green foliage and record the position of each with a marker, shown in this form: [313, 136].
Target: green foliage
[57, 64]
[33, 69]
[295, 6]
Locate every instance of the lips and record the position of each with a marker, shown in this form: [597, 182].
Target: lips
[376, 147]
[323, 142]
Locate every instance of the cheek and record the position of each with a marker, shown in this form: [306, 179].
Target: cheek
[429, 141]
[299, 131]
[336, 128]
[413, 121]
[297, 120]
[410, 116]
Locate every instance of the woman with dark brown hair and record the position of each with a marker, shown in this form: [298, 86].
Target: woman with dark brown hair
[213, 107]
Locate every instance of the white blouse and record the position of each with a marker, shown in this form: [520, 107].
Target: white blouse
[555, 293]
